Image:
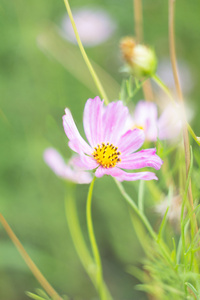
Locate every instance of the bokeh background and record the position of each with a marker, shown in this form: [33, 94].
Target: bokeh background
[41, 73]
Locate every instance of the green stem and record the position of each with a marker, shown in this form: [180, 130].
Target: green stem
[85, 57]
[76, 234]
[94, 244]
[78, 239]
[139, 85]
[163, 87]
[136, 209]
[145, 222]
[191, 131]
[192, 217]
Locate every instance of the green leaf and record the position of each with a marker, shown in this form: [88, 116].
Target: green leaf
[123, 91]
[193, 289]
[34, 296]
[136, 272]
[173, 253]
[163, 224]
[42, 293]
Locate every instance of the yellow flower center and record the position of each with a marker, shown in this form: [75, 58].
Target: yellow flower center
[138, 127]
[106, 155]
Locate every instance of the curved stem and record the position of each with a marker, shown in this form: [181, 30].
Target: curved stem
[136, 209]
[136, 90]
[78, 239]
[76, 234]
[181, 100]
[143, 218]
[191, 131]
[177, 83]
[173, 51]
[94, 243]
[85, 57]
[161, 84]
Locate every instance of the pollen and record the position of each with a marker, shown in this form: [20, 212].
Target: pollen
[107, 155]
[138, 127]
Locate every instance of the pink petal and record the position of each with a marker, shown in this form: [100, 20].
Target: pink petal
[85, 162]
[114, 122]
[79, 145]
[82, 178]
[145, 115]
[92, 120]
[55, 161]
[131, 141]
[170, 122]
[121, 175]
[66, 171]
[141, 159]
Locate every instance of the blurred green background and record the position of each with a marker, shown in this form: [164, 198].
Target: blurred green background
[36, 84]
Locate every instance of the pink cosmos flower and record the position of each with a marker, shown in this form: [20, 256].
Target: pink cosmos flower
[111, 148]
[94, 25]
[145, 117]
[68, 171]
[170, 122]
[166, 127]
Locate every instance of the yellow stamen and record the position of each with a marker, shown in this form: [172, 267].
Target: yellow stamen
[107, 155]
[138, 127]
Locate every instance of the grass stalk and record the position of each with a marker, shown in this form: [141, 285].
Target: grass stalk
[34, 269]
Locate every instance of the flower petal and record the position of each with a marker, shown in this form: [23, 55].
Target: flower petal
[66, 171]
[78, 145]
[145, 115]
[55, 161]
[170, 122]
[114, 122]
[82, 178]
[92, 120]
[85, 162]
[131, 141]
[121, 175]
[141, 159]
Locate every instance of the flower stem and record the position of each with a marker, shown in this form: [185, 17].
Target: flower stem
[181, 100]
[85, 57]
[138, 20]
[139, 85]
[138, 25]
[161, 84]
[76, 234]
[145, 222]
[78, 239]
[34, 269]
[136, 209]
[191, 131]
[94, 246]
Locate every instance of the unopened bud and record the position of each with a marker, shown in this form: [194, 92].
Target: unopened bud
[141, 60]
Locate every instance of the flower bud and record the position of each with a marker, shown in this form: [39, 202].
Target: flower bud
[141, 60]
